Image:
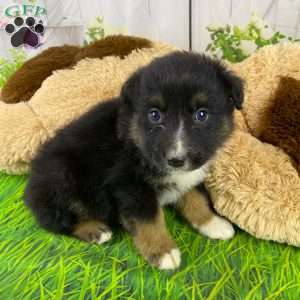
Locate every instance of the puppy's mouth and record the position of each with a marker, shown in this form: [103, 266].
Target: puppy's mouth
[177, 163]
[166, 165]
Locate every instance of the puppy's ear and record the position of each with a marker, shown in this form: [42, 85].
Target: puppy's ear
[234, 87]
[130, 92]
[131, 89]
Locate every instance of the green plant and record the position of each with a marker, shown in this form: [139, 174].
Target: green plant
[10, 65]
[95, 30]
[235, 43]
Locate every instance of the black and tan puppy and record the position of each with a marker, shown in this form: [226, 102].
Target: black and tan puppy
[125, 159]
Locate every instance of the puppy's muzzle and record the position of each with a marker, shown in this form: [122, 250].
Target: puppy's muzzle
[176, 162]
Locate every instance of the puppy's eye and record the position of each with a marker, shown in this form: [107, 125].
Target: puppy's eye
[201, 115]
[155, 116]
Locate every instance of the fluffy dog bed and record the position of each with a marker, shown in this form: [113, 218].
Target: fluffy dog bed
[22, 85]
[254, 182]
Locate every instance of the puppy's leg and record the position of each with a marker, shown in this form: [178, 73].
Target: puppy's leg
[194, 207]
[65, 220]
[92, 231]
[61, 215]
[153, 241]
[54, 203]
[88, 228]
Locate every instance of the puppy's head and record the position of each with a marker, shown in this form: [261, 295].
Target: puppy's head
[178, 110]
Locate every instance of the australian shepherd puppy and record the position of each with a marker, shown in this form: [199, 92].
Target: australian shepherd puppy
[121, 162]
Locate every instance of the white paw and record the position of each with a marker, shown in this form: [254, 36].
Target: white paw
[170, 261]
[104, 237]
[217, 228]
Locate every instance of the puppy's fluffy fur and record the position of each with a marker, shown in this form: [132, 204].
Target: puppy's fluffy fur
[126, 158]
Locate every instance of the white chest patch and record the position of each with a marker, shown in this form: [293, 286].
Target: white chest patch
[178, 183]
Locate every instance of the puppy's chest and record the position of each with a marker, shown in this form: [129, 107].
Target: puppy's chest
[172, 187]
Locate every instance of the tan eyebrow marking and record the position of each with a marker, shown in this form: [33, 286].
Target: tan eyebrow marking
[158, 101]
[199, 99]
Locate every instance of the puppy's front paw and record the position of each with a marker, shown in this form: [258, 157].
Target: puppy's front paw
[154, 242]
[170, 260]
[217, 228]
[102, 237]
[93, 232]
[162, 253]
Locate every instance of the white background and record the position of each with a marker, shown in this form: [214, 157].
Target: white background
[165, 20]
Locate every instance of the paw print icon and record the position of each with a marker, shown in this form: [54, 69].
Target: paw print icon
[25, 33]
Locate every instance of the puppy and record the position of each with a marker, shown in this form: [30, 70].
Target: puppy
[121, 162]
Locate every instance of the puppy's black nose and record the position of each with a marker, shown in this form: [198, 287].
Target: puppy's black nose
[176, 162]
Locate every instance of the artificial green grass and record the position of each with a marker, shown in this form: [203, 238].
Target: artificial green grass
[35, 264]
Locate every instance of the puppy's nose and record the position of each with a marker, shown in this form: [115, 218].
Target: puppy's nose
[176, 162]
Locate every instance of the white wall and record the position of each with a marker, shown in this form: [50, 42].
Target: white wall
[165, 20]
[282, 15]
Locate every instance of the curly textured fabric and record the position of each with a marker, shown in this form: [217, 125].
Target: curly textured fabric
[283, 119]
[253, 183]
[22, 85]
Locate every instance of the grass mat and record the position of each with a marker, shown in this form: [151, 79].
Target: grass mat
[35, 264]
